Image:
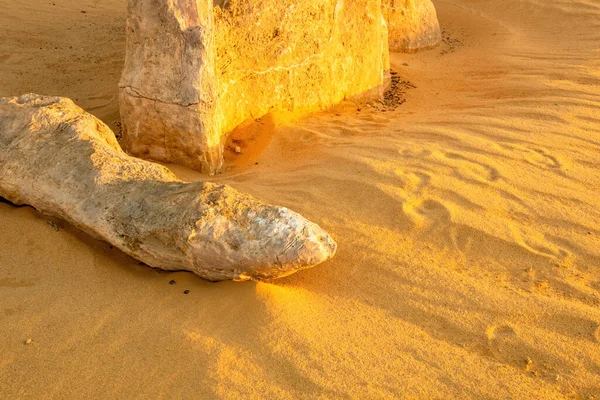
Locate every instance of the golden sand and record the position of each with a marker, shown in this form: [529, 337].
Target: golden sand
[468, 222]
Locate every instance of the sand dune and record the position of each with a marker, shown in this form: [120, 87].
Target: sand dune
[468, 222]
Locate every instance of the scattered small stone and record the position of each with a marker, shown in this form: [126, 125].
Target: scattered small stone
[256, 163]
[118, 129]
[186, 292]
[542, 284]
[358, 109]
[172, 283]
[28, 341]
[54, 225]
[395, 95]
[238, 149]
[405, 64]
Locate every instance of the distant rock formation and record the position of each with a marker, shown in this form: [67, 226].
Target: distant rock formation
[412, 24]
[196, 69]
[66, 163]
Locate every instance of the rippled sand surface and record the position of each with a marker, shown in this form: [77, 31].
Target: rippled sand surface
[468, 221]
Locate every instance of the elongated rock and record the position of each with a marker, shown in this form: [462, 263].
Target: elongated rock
[66, 163]
[412, 25]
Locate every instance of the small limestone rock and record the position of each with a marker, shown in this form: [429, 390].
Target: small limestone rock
[412, 25]
[28, 341]
[67, 164]
[238, 149]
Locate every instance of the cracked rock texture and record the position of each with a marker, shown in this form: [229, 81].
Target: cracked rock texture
[66, 163]
[196, 69]
[412, 24]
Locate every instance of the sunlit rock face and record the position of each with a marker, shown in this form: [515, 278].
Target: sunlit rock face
[196, 69]
[297, 56]
[412, 24]
[66, 163]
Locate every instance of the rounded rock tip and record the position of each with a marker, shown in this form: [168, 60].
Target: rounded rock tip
[301, 244]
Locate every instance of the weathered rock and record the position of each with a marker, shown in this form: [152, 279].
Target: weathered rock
[196, 69]
[168, 88]
[412, 25]
[68, 164]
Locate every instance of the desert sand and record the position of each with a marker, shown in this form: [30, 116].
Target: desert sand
[467, 220]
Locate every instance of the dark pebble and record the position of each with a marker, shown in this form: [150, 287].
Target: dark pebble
[186, 292]
[172, 283]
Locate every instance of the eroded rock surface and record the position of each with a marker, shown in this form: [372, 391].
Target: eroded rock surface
[195, 69]
[66, 163]
[168, 88]
[412, 25]
[297, 56]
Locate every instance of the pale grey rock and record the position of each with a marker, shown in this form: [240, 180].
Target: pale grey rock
[68, 164]
[168, 91]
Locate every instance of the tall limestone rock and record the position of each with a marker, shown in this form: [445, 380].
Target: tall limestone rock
[196, 69]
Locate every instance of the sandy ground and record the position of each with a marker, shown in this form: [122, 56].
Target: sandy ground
[468, 222]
